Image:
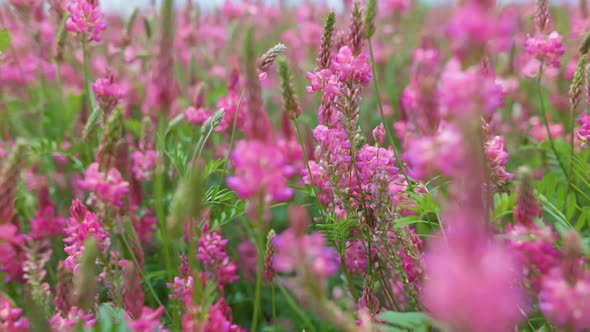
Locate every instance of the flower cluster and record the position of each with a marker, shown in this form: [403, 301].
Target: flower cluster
[86, 19]
[109, 187]
[547, 48]
[82, 225]
[260, 169]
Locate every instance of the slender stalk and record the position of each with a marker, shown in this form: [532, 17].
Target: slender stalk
[382, 114]
[260, 265]
[87, 95]
[546, 123]
[274, 309]
[353, 290]
[233, 132]
[301, 143]
[296, 309]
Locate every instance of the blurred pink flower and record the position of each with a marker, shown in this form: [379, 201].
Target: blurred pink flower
[109, 187]
[86, 19]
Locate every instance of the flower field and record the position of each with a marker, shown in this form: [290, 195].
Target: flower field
[383, 166]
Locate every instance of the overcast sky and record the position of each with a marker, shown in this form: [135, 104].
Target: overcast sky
[129, 5]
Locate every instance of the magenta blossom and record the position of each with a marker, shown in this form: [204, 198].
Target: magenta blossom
[86, 19]
[303, 253]
[547, 49]
[108, 93]
[478, 291]
[566, 303]
[72, 320]
[109, 187]
[260, 169]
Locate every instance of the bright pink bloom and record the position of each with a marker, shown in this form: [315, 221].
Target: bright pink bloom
[379, 134]
[356, 257]
[535, 250]
[539, 132]
[295, 252]
[144, 163]
[148, 321]
[82, 225]
[444, 152]
[325, 81]
[108, 93]
[566, 303]
[72, 320]
[584, 122]
[465, 92]
[347, 66]
[470, 283]
[260, 169]
[497, 159]
[196, 116]
[547, 49]
[86, 19]
[109, 187]
[11, 319]
[213, 256]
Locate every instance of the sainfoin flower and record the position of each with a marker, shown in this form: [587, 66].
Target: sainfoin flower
[72, 320]
[260, 169]
[144, 163]
[11, 319]
[213, 256]
[478, 291]
[109, 187]
[108, 93]
[497, 160]
[148, 321]
[547, 48]
[584, 131]
[565, 303]
[82, 225]
[294, 252]
[86, 19]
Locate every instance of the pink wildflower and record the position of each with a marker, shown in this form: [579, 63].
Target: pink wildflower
[110, 187]
[108, 93]
[81, 225]
[547, 49]
[214, 258]
[304, 253]
[584, 122]
[259, 170]
[11, 319]
[196, 115]
[476, 292]
[86, 19]
[566, 303]
[497, 159]
[144, 163]
[72, 321]
[148, 321]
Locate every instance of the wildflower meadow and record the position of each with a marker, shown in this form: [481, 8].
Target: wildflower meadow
[386, 165]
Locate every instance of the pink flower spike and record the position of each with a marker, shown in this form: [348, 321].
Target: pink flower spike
[86, 19]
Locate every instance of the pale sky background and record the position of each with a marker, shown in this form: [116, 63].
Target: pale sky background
[128, 6]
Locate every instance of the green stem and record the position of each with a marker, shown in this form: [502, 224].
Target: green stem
[89, 100]
[296, 309]
[159, 197]
[233, 132]
[306, 159]
[353, 290]
[260, 265]
[382, 114]
[274, 309]
[546, 123]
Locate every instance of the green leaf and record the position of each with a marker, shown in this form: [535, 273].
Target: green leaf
[404, 321]
[5, 39]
